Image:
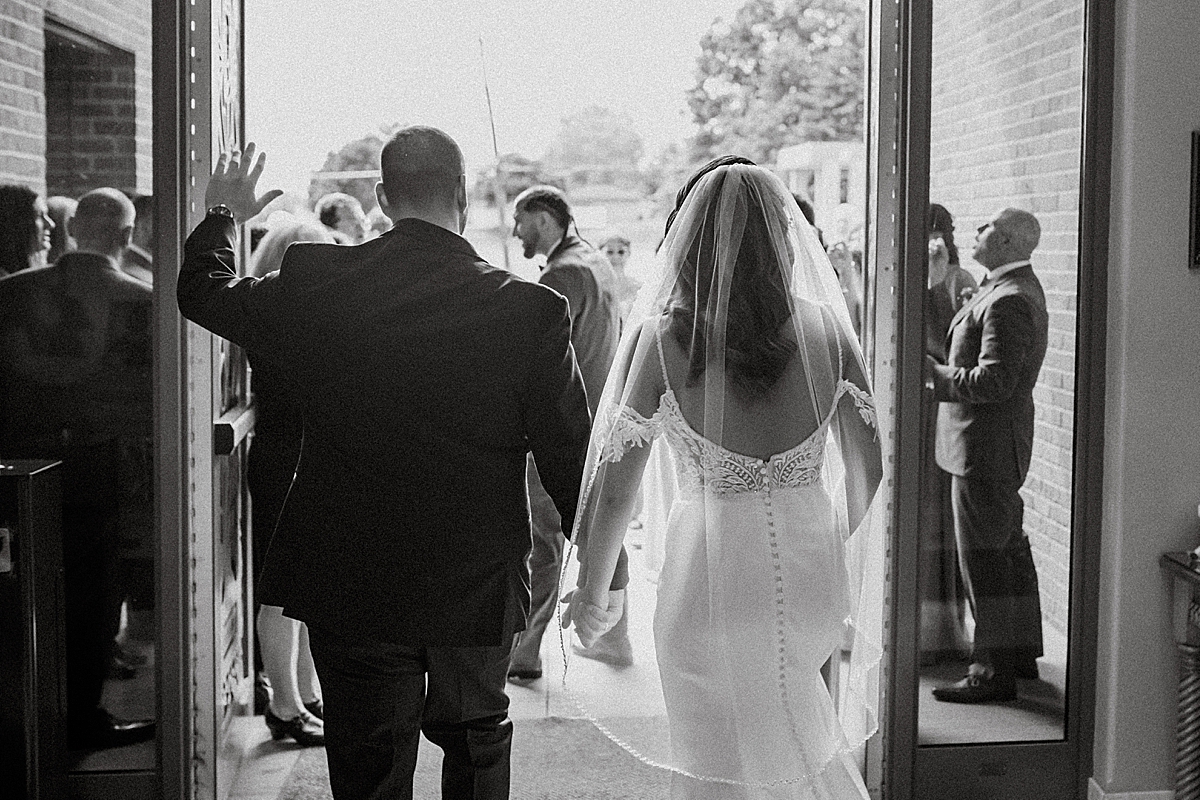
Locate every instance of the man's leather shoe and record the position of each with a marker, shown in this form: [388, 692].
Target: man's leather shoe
[98, 730]
[304, 728]
[316, 708]
[979, 689]
[518, 673]
[1026, 669]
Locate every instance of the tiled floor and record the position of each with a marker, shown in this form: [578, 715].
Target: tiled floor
[266, 764]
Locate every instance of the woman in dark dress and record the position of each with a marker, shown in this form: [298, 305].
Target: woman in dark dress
[295, 709]
[943, 604]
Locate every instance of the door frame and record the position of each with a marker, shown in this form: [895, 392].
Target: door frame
[194, 759]
[920, 772]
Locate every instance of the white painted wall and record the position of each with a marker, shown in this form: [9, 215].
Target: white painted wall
[1152, 434]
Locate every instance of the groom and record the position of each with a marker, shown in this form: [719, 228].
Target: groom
[425, 376]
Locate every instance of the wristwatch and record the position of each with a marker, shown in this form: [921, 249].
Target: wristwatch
[222, 210]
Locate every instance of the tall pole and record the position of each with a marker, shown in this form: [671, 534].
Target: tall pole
[497, 176]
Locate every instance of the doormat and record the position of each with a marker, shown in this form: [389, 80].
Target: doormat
[552, 759]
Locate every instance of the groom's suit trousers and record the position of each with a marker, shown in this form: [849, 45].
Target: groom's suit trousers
[379, 699]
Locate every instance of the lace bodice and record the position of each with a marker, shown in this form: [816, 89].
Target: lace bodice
[705, 466]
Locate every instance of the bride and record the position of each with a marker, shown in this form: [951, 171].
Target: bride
[741, 358]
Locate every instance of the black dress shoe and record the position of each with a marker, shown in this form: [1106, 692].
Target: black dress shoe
[99, 730]
[304, 728]
[262, 693]
[316, 708]
[979, 689]
[524, 673]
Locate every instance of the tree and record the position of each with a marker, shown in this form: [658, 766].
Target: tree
[596, 145]
[783, 72]
[360, 155]
[517, 172]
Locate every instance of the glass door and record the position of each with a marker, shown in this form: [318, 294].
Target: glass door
[1000, 113]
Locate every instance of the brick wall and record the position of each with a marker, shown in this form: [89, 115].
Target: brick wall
[121, 24]
[22, 109]
[1006, 127]
[90, 130]
[125, 25]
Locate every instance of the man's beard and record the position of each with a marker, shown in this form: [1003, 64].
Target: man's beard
[528, 248]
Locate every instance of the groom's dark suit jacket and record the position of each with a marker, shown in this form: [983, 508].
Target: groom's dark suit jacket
[425, 375]
[995, 346]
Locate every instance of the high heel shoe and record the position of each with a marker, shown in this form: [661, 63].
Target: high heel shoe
[304, 728]
[316, 708]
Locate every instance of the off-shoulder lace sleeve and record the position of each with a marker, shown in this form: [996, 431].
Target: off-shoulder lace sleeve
[623, 429]
[862, 401]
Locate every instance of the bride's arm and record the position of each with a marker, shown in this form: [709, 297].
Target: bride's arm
[859, 441]
[603, 532]
[621, 449]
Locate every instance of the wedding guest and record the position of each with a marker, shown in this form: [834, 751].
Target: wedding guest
[25, 229]
[139, 256]
[995, 347]
[257, 232]
[61, 210]
[810, 216]
[294, 708]
[542, 221]
[943, 604]
[344, 215]
[425, 375]
[75, 366]
[617, 249]
[377, 223]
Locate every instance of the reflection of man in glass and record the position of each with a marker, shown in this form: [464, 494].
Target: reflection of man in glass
[75, 363]
[995, 346]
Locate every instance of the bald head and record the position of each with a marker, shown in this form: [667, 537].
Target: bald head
[1023, 229]
[103, 222]
[1011, 235]
[423, 173]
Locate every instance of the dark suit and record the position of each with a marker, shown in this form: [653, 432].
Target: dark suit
[995, 347]
[425, 376]
[75, 367]
[574, 269]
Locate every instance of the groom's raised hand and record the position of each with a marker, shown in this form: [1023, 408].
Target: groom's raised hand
[234, 180]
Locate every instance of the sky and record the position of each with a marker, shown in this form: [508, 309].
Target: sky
[320, 74]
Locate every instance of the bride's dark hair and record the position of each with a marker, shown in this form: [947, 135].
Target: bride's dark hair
[756, 352]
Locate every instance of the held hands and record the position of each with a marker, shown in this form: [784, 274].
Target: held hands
[592, 620]
[233, 183]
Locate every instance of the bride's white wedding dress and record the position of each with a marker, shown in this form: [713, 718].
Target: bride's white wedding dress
[753, 598]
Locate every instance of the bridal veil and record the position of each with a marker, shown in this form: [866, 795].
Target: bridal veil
[739, 356]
